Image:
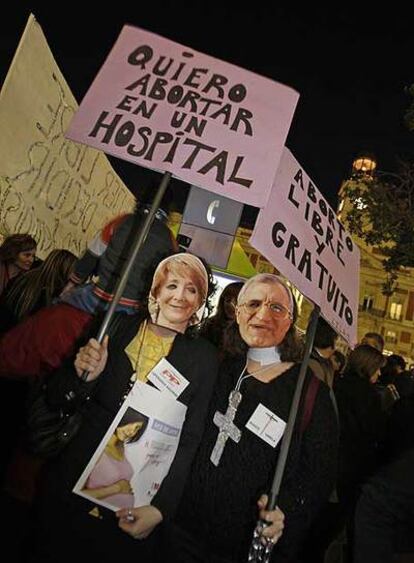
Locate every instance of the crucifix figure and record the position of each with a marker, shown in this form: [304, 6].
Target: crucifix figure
[226, 426]
[271, 419]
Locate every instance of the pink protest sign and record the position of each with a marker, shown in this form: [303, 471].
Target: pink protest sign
[299, 233]
[167, 107]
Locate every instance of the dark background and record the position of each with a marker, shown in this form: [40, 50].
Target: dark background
[350, 66]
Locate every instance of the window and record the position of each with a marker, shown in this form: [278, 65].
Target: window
[391, 336]
[367, 303]
[395, 311]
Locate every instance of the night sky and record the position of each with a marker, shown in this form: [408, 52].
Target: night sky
[350, 67]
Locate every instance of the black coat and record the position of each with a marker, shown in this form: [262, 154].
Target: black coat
[362, 428]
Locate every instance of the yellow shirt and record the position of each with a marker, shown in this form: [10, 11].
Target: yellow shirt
[145, 351]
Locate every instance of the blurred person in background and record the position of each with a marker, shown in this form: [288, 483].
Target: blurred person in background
[338, 362]
[374, 339]
[395, 375]
[17, 254]
[323, 348]
[36, 288]
[30, 292]
[362, 424]
[215, 327]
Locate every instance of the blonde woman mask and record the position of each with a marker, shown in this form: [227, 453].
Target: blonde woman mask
[178, 292]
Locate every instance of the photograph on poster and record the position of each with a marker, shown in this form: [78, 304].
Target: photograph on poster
[136, 452]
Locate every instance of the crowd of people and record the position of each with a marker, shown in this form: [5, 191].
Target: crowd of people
[236, 371]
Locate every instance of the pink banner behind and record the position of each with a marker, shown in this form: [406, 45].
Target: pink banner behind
[299, 233]
[167, 107]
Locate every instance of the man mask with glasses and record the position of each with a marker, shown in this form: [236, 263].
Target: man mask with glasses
[264, 313]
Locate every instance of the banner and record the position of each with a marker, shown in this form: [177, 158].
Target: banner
[301, 235]
[167, 107]
[60, 192]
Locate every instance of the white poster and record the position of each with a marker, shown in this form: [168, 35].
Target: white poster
[58, 191]
[136, 452]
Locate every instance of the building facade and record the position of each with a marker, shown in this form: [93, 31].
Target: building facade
[391, 315]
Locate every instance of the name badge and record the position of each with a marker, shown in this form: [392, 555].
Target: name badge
[267, 425]
[166, 378]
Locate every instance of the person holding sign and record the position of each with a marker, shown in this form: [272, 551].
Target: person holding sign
[110, 478]
[237, 456]
[66, 523]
